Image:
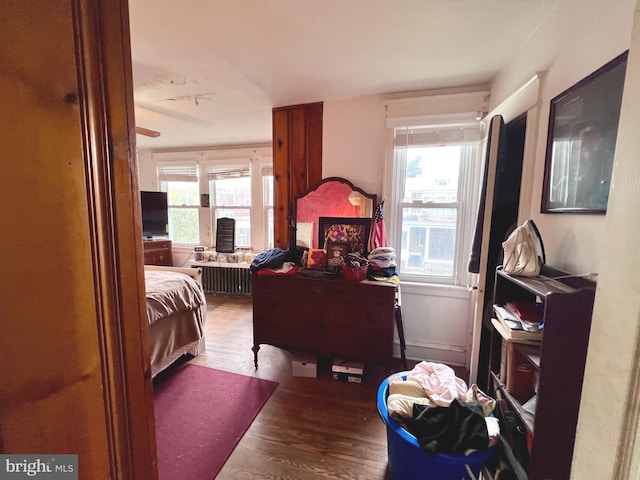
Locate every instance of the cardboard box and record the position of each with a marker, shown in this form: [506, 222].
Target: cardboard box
[347, 377]
[341, 365]
[304, 365]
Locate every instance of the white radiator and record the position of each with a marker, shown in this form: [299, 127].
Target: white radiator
[229, 280]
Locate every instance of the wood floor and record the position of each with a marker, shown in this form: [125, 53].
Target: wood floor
[311, 428]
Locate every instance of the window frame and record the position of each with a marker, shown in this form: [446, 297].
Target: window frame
[178, 172]
[243, 171]
[256, 158]
[469, 179]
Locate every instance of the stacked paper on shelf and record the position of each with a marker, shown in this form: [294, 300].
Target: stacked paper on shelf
[531, 315]
[512, 321]
[515, 335]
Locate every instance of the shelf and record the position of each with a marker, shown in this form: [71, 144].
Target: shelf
[515, 465]
[545, 284]
[527, 418]
[556, 363]
[532, 353]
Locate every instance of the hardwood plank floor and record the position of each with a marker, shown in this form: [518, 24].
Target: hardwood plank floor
[310, 428]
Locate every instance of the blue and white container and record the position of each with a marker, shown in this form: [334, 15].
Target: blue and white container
[407, 459]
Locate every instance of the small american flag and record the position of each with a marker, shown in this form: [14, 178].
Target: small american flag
[378, 235]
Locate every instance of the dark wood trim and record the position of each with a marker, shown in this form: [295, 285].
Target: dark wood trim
[105, 76]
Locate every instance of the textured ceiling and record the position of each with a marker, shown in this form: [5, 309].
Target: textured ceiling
[209, 72]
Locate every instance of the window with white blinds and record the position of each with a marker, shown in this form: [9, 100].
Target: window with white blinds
[206, 185]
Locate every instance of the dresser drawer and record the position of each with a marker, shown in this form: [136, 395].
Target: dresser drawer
[157, 252]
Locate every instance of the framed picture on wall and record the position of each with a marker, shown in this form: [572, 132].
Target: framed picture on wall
[583, 126]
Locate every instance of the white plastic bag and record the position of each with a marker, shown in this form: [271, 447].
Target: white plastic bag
[524, 251]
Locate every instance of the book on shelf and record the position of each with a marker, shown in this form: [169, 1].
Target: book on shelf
[516, 336]
[513, 320]
[530, 313]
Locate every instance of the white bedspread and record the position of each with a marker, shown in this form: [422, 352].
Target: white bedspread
[170, 292]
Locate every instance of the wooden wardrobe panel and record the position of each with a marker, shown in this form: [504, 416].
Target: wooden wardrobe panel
[298, 149]
[297, 160]
[314, 148]
[281, 177]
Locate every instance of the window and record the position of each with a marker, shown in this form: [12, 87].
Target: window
[435, 168]
[267, 189]
[230, 190]
[181, 184]
[207, 185]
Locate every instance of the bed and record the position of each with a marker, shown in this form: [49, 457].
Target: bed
[177, 310]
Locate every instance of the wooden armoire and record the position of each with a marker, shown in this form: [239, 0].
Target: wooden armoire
[297, 161]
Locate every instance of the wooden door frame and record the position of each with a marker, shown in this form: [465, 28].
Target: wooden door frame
[103, 53]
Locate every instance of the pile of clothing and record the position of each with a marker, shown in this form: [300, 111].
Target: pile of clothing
[382, 265]
[276, 261]
[441, 412]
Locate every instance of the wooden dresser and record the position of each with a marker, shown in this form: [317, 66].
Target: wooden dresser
[157, 251]
[327, 317]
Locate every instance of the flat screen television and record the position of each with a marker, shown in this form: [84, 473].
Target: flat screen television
[155, 214]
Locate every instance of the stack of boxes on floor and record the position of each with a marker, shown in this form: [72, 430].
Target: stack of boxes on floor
[306, 365]
[347, 371]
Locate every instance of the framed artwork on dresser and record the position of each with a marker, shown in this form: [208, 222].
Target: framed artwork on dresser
[353, 232]
[336, 253]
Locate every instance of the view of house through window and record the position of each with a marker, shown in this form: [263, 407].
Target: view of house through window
[182, 199]
[430, 210]
[432, 170]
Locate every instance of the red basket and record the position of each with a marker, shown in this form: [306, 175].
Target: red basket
[355, 274]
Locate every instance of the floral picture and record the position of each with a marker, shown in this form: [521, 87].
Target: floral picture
[352, 232]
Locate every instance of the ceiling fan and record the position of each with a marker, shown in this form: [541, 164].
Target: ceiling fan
[190, 98]
[147, 132]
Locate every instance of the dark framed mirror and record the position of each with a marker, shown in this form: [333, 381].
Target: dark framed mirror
[331, 197]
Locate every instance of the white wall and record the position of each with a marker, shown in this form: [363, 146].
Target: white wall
[353, 142]
[147, 177]
[577, 38]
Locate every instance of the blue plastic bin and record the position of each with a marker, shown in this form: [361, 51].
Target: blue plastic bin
[407, 459]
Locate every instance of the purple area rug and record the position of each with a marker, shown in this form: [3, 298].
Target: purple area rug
[201, 414]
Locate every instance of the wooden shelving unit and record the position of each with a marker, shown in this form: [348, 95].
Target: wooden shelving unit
[559, 363]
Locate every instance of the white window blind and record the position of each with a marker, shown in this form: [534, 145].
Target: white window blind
[224, 173]
[425, 136]
[177, 173]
